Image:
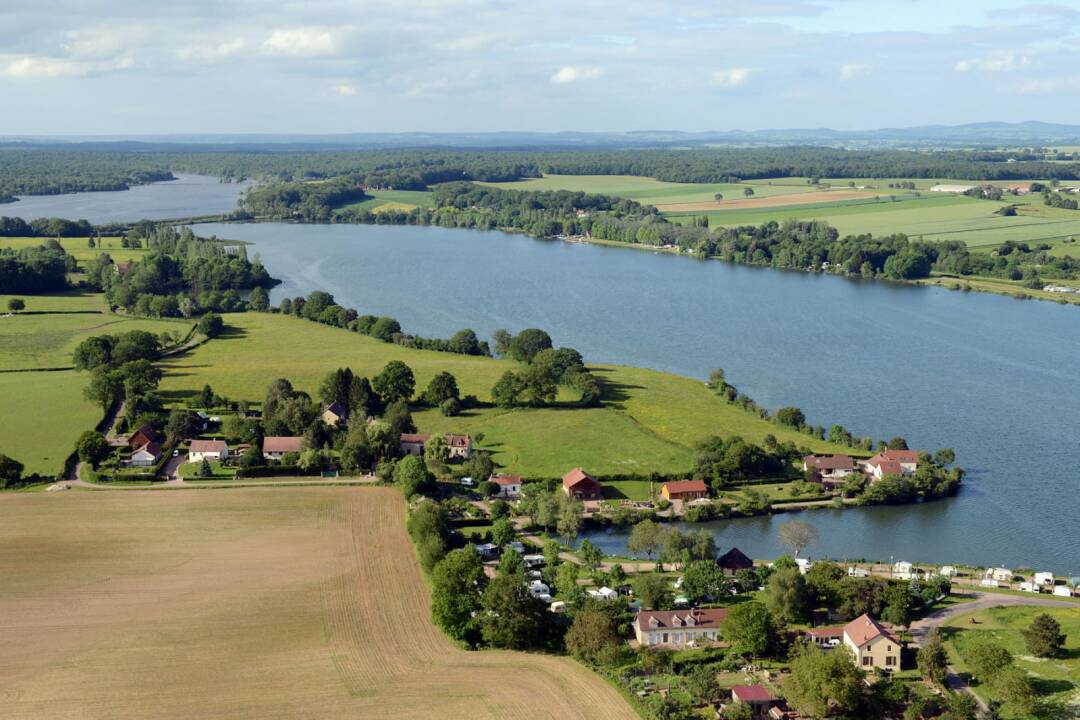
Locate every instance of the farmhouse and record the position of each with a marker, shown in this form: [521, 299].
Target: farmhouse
[757, 697]
[872, 644]
[826, 637]
[734, 560]
[678, 628]
[509, 485]
[145, 434]
[828, 468]
[334, 414]
[891, 462]
[413, 444]
[579, 485]
[460, 446]
[207, 450]
[274, 447]
[684, 490]
[147, 455]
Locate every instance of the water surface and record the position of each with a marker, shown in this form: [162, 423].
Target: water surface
[993, 377]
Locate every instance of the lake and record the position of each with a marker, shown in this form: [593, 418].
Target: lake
[187, 196]
[995, 378]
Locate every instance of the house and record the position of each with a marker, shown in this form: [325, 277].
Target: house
[413, 444]
[872, 643]
[579, 485]
[734, 560]
[1020, 188]
[334, 414]
[274, 447]
[826, 637]
[891, 462]
[145, 434]
[122, 268]
[780, 711]
[829, 469]
[208, 450]
[460, 446]
[1000, 574]
[678, 628]
[146, 456]
[684, 490]
[509, 485]
[858, 572]
[757, 697]
[903, 570]
[1044, 578]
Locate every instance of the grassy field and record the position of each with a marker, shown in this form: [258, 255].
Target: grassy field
[403, 200]
[80, 248]
[42, 414]
[247, 604]
[650, 421]
[1054, 679]
[650, 191]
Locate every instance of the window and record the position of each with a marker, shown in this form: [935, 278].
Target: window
[890, 660]
[866, 660]
[665, 639]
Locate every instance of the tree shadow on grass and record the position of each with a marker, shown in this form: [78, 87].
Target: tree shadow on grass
[1048, 686]
[613, 394]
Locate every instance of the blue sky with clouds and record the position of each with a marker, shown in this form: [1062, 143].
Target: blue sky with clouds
[144, 66]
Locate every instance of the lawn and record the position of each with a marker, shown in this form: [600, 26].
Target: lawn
[1054, 679]
[401, 200]
[190, 471]
[248, 604]
[649, 421]
[42, 414]
[80, 248]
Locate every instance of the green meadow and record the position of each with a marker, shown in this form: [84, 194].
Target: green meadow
[403, 200]
[650, 191]
[80, 248]
[649, 421]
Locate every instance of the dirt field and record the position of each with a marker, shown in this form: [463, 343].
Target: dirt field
[253, 603]
[807, 198]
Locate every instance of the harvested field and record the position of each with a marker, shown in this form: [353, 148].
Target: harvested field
[248, 603]
[806, 198]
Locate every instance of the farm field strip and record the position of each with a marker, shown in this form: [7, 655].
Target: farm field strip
[43, 414]
[251, 603]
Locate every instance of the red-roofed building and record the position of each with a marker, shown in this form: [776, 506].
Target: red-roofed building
[145, 434]
[460, 446]
[207, 450]
[756, 696]
[829, 469]
[146, 456]
[678, 628]
[826, 636]
[734, 560]
[509, 485]
[891, 462]
[413, 444]
[274, 447]
[872, 643]
[579, 485]
[684, 490]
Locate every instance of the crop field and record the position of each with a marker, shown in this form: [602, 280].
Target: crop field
[41, 415]
[250, 604]
[650, 191]
[649, 420]
[1056, 679]
[402, 200]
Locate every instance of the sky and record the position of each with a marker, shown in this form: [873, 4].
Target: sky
[248, 66]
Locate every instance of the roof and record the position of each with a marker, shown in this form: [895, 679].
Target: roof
[151, 447]
[576, 477]
[710, 618]
[734, 559]
[888, 467]
[686, 486]
[829, 462]
[282, 444]
[864, 628]
[459, 441]
[336, 408]
[506, 479]
[208, 446]
[146, 430]
[414, 438]
[751, 693]
[828, 632]
[898, 456]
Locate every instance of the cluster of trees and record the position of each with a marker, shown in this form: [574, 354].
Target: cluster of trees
[35, 269]
[45, 227]
[546, 368]
[1059, 200]
[321, 307]
[722, 462]
[122, 366]
[307, 200]
[53, 171]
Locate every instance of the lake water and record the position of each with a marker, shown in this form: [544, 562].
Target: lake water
[995, 378]
[187, 196]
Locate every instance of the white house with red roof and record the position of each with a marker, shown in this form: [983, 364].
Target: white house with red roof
[891, 462]
[509, 485]
[460, 446]
[872, 644]
[207, 450]
[757, 697]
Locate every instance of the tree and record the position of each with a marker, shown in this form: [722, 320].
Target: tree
[11, 471]
[507, 389]
[512, 617]
[718, 197]
[593, 634]
[210, 325]
[437, 452]
[90, 446]
[787, 595]
[93, 352]
[932, 658]
[258, 300]
[442, 387]
[502, 340]
[797, 535]
[738, 711]
[205, 398]
[539, 383]
[233, 427]
[646, 537]
[395, 382]
[385, 328]
[651, 590]
[527, 344]
[457, 586]
[823, 683]
[987, 659]
[898, 604]
[205, 470]
[1012, 685]
[336, 387]
[591, 555]
[702, 684]
[961, 706]
[791, 416]
[502, 532]
[750, 628]
[411, 475]
[16, 305]
[465, 342]
[566, 583]
[704, 580]
[1044, 638]
[181, 424]
[570, 519]
[944, 456]
[748, 192]
[252, 457]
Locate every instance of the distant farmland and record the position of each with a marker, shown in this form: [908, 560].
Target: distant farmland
[251, 604]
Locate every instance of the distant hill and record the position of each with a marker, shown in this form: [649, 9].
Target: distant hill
[982, 135]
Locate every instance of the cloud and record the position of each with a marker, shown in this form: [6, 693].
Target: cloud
[850, 71]
[1003, 61]
[730, 77]
[205, 52]
[571, 74]
[345, 89]
[93, 43]
[46, 67]
[1046, 86]
[301, 42]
